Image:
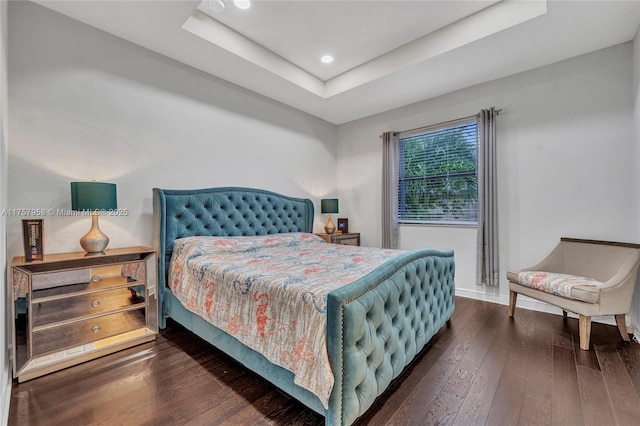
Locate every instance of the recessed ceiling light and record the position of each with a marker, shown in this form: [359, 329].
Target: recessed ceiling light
[217, 5]
[242, 4]
[327, 59]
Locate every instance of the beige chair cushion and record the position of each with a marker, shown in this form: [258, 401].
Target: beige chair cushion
[564, 285]
[605, 276]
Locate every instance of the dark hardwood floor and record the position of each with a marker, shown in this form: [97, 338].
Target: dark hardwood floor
[482, 369]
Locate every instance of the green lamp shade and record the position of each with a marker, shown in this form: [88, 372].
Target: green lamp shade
[329, 205]
[93, 196]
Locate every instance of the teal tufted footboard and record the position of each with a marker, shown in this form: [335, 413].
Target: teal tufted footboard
[375, 325]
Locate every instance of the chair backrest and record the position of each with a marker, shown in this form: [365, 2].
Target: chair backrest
[599, 260]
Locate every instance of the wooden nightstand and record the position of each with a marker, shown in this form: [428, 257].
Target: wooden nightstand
[72, 307]
[349, 239]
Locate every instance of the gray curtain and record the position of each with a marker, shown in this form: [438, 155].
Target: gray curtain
[487, 266]
[389, 190]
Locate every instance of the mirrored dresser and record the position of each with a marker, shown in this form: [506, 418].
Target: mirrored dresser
[72, 307]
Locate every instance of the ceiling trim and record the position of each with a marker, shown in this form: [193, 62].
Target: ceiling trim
[222, 36]
[491, 20]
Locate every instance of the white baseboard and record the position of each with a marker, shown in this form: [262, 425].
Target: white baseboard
[534, 305]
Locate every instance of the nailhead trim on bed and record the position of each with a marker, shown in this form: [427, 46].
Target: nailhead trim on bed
[388, 336]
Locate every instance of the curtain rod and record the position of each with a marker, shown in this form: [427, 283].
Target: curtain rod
[498, 111]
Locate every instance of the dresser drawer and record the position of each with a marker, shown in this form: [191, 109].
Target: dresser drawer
[87, 331]
[82, 305]
[75, 276]
[56, 284]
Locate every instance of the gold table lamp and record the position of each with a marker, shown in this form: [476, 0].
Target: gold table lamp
[93, 196]
[329, 205]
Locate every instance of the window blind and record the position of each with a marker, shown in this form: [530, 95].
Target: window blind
[438, 174]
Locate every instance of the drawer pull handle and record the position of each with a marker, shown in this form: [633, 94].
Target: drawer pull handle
[95, 328]
[95, 278]
[95, 303]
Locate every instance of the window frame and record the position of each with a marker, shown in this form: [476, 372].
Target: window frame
[427, 129]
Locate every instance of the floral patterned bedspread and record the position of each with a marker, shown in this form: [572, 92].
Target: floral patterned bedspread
[270, 292]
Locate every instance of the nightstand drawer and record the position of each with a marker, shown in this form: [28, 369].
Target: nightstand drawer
[348, 242]
[75, 276]
[82, 332]
[59, 284]
[347, 239]
[83, 305]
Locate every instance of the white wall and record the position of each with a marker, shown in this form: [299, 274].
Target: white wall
[5, 328]
[86, 105]
[564, 162]
[635, 92]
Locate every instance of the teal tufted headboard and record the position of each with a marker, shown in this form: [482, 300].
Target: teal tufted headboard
[225, 211]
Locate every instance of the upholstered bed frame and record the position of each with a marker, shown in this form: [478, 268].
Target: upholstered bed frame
[375, 326]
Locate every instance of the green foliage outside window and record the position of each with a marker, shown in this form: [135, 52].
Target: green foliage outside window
[438, 175]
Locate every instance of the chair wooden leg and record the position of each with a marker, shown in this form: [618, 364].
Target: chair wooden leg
[622, 326]
[584, 323]
[512, 302]
[564, 314]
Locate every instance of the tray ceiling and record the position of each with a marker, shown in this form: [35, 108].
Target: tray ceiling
[386, 53]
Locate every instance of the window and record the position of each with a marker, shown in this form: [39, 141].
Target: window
[438, 180]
